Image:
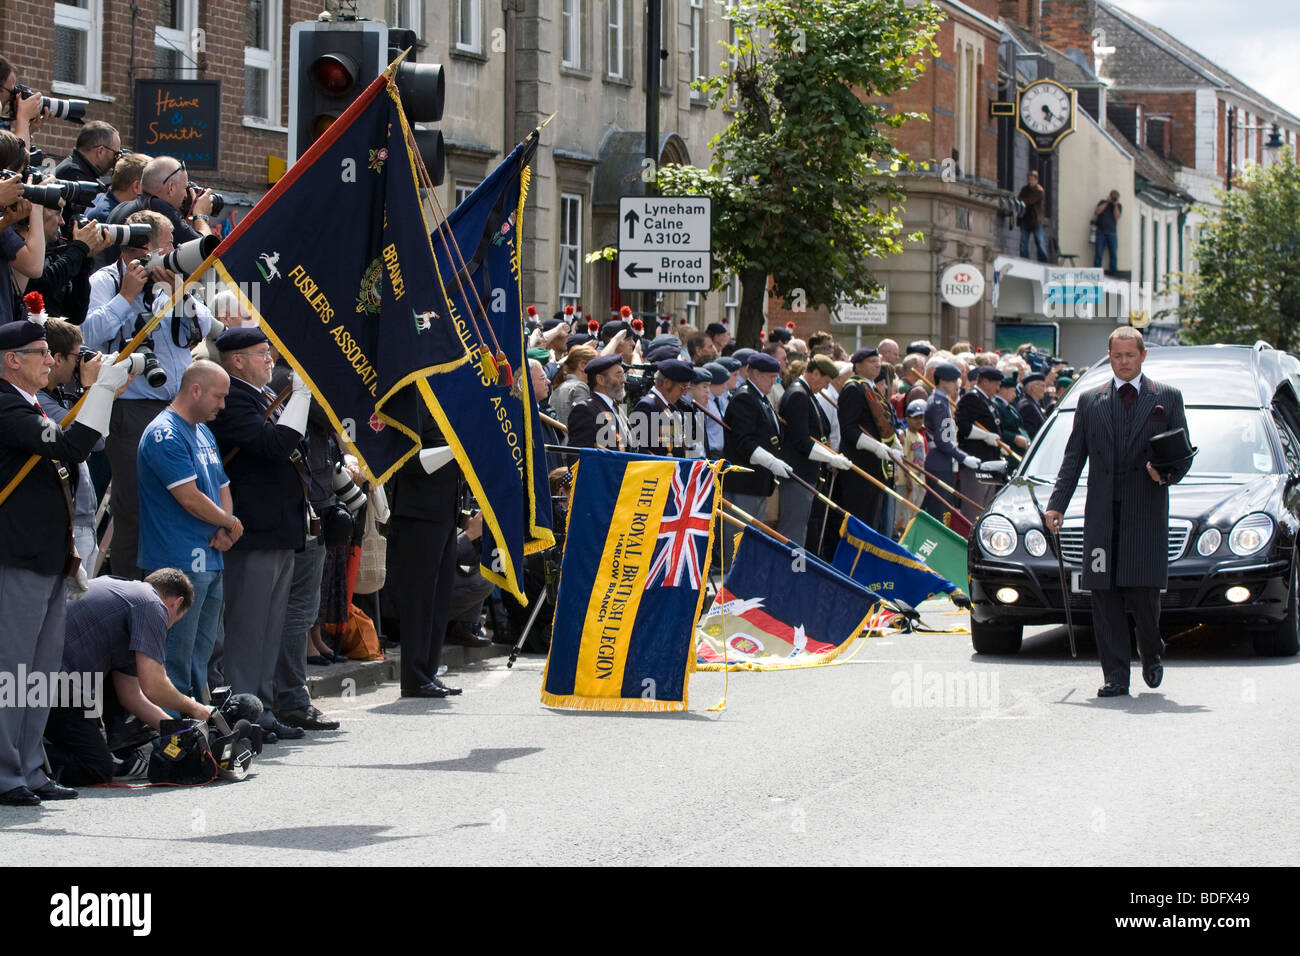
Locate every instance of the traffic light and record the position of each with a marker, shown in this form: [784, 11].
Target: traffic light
[331, 63]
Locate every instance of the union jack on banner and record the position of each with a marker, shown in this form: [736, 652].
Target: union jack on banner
[684, 531]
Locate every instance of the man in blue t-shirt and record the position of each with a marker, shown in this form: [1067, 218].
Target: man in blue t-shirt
[186, 514]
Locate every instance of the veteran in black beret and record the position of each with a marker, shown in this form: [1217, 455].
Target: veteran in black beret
[599, 421]
[868, 439]
[805, 432]
[1033, 387]
[656, 422]
[753, 439]
[37, 551]
[944, 458]
[978, 433]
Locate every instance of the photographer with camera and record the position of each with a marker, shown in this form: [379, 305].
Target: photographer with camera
[123, 298]
[25, 254]
[123, 186]
[24, 111]
[64, 283]
[117, 632]
[97, 150]
[165, 189]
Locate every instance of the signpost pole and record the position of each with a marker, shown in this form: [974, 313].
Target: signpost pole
[653, 43]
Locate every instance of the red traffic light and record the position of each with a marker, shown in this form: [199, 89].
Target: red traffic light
[334, 73]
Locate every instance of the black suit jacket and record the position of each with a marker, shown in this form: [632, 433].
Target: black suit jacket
[427, 497]
[974, 409]
[34, 522]
[801, 423]
[751, 427]
[658, 426]
[264, 485]
[590, 422]
[1031, 415]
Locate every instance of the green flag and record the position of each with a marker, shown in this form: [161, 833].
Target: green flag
[943, 549]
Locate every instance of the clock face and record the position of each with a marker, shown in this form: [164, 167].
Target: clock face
[1045, 108]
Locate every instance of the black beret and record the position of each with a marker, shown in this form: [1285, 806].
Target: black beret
[988, 371]
[947, 372]
[601, 363]
[675, 370]
[729, 362]
[702, 376]
[719, 374]
[578, 338]
[14, 335]
[549, 324]
[241, 337]
[1033, 377]
[611, 329]
[662, 353]
[743, 355]
[762, 362]
[780, 335]
[666, 339]
[863, 353]
[714, 328]
[915, 349]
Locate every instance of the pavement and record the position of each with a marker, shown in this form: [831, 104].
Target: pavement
[915, 752]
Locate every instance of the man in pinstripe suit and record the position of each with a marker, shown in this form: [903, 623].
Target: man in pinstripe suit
[1112, 428]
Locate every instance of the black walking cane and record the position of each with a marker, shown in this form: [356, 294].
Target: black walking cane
[1054, 541]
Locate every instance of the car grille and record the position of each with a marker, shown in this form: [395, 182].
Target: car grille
[1180, 529]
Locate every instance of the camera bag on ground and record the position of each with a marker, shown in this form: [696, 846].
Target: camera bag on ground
[182, 755]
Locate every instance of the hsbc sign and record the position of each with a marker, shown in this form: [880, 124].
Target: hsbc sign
[961, 285]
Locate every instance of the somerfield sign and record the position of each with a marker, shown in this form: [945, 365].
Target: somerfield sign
[961, 285]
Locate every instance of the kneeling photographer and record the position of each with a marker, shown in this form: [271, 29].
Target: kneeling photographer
[123, 297]
[116, 640]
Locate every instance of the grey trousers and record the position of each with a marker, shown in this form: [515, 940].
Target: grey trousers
[31, 641]
[129, 419]
[257, 596]
[467, 596]
[796, 506]
[304, 602]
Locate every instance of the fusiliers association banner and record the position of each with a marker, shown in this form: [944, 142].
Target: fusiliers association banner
[781, 608]
[638, 546]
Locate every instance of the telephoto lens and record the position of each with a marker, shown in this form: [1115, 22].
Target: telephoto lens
[48, 195]
[349, 495]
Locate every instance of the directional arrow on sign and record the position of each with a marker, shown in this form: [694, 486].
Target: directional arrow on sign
[634, 270]
[631, 219]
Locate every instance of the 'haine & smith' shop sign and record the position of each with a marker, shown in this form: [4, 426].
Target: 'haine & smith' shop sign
[180, 118]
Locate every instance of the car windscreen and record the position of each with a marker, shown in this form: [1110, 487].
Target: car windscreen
[1232, 441]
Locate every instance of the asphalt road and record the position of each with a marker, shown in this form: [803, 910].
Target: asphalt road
[915, 752]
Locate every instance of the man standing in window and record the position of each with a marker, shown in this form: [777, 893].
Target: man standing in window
[1107, 216]
[1031, 223]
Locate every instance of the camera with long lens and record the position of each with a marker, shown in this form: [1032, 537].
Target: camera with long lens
[185, 258]
[129, 235]
[637, 387]
[143, 361]
[349, 495]
[74, 111]
[75, 195]
[187, 205]
[46, 194]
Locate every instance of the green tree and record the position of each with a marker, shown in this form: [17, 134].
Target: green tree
[803, 179]
[1247, 281]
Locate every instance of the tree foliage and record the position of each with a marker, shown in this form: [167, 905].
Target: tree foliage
[803, 177]
[1247, 281]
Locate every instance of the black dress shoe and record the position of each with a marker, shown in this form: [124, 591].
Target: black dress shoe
[285, 732]
[458, 632]
[437, 682]
[308, 719]
[1112, 690]
[1153, 672]
[316, 660]
[430, 690]
[55, 791]
[20, 797]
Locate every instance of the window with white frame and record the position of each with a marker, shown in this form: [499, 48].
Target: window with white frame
[731, 304]
[469, 26]
[968, 49]
[693, 309]
[172, 56]
[406, 14]
[78, 46]
[571, 28]
[697, 41]
[616, 17]
[463, 189]
[262, 61]
[570, 249]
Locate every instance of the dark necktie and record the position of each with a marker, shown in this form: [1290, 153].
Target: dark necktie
[1128, 395]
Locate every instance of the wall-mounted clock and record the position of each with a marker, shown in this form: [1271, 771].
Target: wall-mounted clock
[1045, 113]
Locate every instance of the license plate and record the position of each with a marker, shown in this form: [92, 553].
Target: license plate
[1076, 583]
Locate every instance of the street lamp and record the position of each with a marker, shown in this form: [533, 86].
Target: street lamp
[1272, 144]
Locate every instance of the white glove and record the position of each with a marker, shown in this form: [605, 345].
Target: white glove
[295, 410]
[98, 404]
[970, 461]
[867, 443]
[431, 459]
[822, 453]
[78, 585]
[896, 454]
[765, 459]
[987, 437]
[113, 377]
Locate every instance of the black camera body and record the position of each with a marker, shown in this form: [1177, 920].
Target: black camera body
[74, 111]
[187, 205]
[152, 371]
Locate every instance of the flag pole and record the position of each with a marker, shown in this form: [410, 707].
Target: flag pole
[554, 423]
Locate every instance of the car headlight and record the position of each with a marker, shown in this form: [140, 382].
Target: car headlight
[1035, 543]
[1208, 542]
[997, 535]
[1250, 534]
